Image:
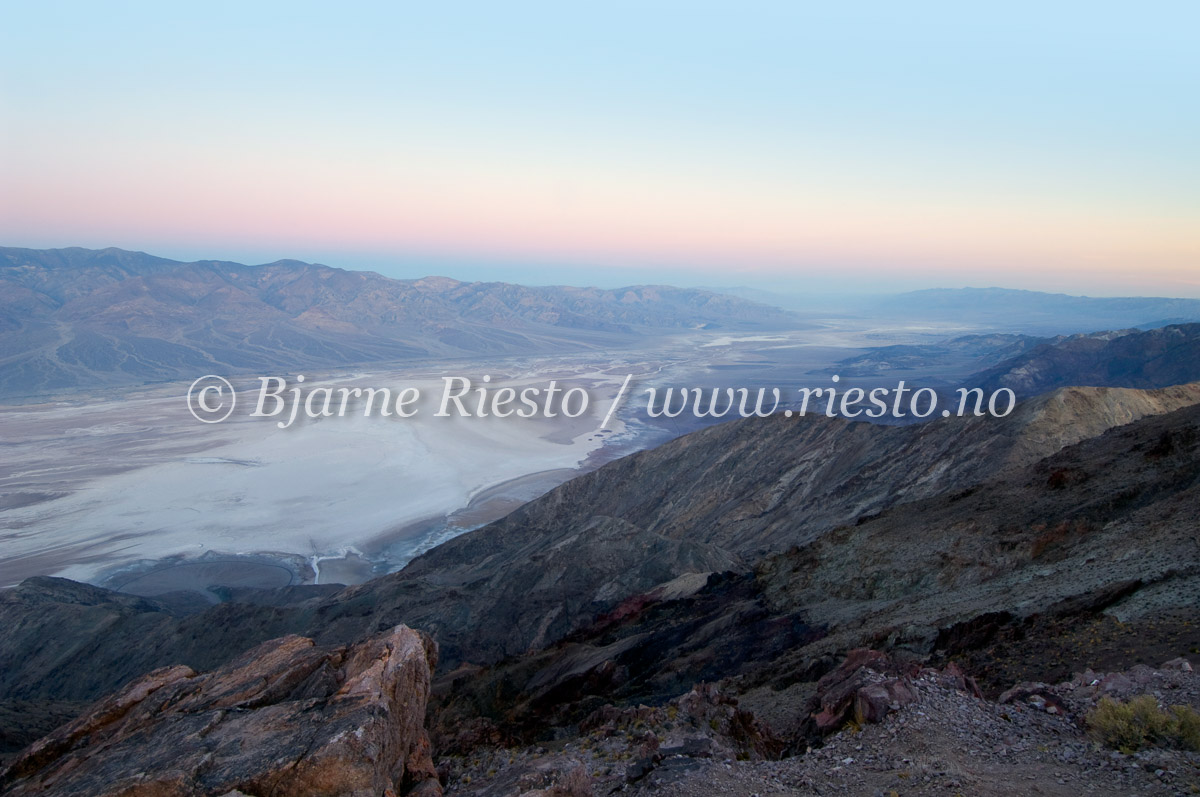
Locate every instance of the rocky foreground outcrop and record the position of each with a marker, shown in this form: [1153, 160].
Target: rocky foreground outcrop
[286, 718]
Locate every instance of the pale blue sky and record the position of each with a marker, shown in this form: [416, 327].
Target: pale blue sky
[1039, 146]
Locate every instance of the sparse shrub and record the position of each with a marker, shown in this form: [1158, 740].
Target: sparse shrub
[1140, 723]
[576, 782]
[1187, 727]
[855, 724]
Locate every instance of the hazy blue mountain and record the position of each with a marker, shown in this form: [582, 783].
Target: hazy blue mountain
[1034, 312]
[81, 318]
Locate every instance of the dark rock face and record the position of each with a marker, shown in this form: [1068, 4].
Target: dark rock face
[1119, 536]
[762, 485]
[83, 317]
[287, 717]
[24, 721]
[1153, 358]
[650, 649]
[73, 641]
[732, 492]
[1009, 563]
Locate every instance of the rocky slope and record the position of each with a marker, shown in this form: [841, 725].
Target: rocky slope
[708, 502]
[80, 318]
[756, 553]
[742, 490]
[286, 717]
[1089, 556]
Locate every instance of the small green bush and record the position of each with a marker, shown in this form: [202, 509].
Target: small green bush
[1187, 724]
[1140, 723]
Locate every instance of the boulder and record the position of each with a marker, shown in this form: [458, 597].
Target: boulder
[864, 687]
[1036, 695]
[287, 717]
[874, 702]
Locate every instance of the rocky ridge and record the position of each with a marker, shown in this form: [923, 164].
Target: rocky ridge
[1129, 358]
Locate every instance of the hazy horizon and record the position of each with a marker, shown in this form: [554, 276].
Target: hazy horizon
[535, 275]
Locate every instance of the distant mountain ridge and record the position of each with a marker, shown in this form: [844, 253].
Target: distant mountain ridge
[1034, 311]
[81, 318]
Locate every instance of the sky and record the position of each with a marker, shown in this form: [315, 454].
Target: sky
[843, 147]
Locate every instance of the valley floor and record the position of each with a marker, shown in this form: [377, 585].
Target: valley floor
[121, 487]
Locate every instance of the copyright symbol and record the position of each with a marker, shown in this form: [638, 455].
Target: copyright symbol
[206, 399]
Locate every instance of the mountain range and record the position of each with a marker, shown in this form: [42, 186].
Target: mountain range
[78, 318]
[1035, 312]
[1003, 310]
